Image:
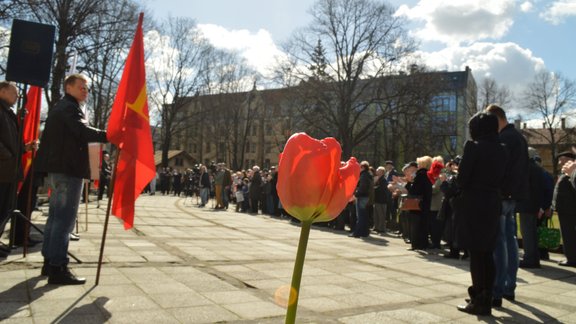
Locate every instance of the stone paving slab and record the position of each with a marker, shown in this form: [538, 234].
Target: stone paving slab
[184, 264]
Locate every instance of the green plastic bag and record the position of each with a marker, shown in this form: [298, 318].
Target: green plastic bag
[548, 237]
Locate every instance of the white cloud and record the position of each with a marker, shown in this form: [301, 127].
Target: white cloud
[453, 22]
[526, 6]
[507, 63]
[559, 11]
[257, 48]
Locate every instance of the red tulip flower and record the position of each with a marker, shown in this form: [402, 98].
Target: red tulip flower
[313, 186]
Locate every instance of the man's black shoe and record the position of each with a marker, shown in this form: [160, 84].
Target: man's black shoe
[475, 309]
[565, 263]
[452, 256]
[45, 268]
[509, 297]
[525, 265]
[3, 254]
[497, 302]
[353, 235]
[31, 243]
[4, 248]
[61, 275]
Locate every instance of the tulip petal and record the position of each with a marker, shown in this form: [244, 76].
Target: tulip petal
[348, 178]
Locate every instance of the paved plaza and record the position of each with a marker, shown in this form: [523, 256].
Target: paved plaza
[184, 264]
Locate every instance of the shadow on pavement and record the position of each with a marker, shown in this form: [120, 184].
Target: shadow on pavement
[21, 295]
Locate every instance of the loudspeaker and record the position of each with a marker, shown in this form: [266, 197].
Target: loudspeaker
[30, 53]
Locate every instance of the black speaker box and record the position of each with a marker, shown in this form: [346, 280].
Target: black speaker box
[30, 53]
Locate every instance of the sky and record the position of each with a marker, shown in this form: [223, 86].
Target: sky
[507, 40]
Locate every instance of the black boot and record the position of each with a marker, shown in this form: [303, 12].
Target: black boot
[480, 305]
[453, 254]
[472, 293]
[45, 268]
[61, 275]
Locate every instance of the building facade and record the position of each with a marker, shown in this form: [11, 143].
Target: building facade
[251, 128]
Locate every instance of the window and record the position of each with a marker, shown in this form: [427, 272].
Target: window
[178, 161]
[443, 103]
[208, 147]
[268, 130]
[453, 142]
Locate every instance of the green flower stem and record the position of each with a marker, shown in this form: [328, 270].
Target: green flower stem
[297, 273]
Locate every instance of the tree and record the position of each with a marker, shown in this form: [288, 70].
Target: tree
[551, 96]
[319, 63]
[229, 74]
[360, 38]
[178, 58]
[104, 54]
[74, 20]
[490, 92]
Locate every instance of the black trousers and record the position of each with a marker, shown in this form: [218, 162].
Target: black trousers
[254, 205]
[6, 194]
[482, 270]
[568, 229]
[419, 230]
[103, 187]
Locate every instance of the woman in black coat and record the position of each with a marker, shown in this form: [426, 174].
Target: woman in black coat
[421, 187]
[480, 177]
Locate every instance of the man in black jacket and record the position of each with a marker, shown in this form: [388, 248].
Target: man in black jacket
[63, 155]
[533, 209]
[515, 188]
[564, 202]
[105, 174]
[8, 152]
[362, 194]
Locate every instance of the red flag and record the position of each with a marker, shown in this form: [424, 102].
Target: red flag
[31, 126]
[129, 129]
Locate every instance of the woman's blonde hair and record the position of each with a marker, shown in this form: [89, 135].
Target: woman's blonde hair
[438, 159]
[424, 162]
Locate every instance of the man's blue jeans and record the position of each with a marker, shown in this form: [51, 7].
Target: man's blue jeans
[529, 229]
[361, 228]
[64, 201]
[506, 252]
[204, 195]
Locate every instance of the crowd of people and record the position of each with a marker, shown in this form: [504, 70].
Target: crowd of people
[469, 202]
[252, 190]
[463, 208]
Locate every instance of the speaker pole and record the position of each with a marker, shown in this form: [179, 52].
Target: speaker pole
[20, 115]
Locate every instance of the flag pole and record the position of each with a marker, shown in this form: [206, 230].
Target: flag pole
[87, 186]
[108, 209]
[29, 202]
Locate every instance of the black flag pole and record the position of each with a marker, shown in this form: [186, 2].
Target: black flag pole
[108, 209]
